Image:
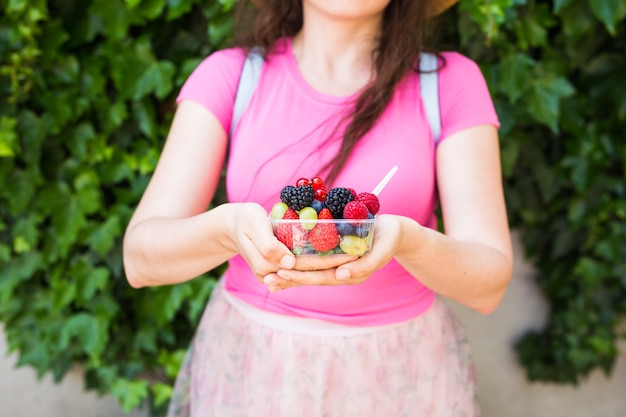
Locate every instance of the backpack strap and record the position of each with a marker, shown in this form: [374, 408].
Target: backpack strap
[250, 73]
[429, 90]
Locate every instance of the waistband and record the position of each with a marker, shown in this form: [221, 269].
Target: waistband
[300, 325]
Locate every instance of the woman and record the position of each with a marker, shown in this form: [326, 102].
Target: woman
[337, 97]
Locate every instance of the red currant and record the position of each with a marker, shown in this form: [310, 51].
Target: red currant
[317, 183]
[320, 194]
[302, 181]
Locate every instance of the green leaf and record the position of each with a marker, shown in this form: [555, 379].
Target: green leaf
[131, 4]
[162, 393]
[26, 229]
[90, 330]
[151, 9]
[545, 98]
[64, 291]
[113, 19]
[8, 137]
[177, 8]
[16, 6]
[169, 300]
[146, 117]
[88, 196]
[609, 12]
[515, 75]
[172, 361]
[21, 189]
[130, 394]
[560, 4]
[103, 237]
[20, 268]
[67, 221]
[157, 79]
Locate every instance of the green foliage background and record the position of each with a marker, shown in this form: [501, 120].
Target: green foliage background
[87, 92]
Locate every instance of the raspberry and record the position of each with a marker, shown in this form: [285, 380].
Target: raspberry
[355, 210]
[290, 214]
[298, 197]
[325, 214]
[370, 200]
[337, 199]
[284, 231]
[324, 237]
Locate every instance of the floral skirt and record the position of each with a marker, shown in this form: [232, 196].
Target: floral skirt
[245, 362]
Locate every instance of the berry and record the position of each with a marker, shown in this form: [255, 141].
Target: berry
[317, 183]
[308, 215]
[298, 197]
[284, 231]
[337, 199]
[302, 181]
[352, 192]
[318, 205]
[362, 230]
[355, 210]
[325, 214]
[353, 245]
[278, 210]
[345, 229]
[324, 237]
[320, 194]
[370, 200]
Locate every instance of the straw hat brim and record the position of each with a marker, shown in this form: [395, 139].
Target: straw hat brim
[443, 5]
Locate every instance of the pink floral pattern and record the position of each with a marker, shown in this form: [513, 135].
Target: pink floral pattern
[237, 367]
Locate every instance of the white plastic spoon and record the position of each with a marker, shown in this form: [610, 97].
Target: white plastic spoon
[385, 180]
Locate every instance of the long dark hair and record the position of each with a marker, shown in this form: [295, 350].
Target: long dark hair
[260, 23]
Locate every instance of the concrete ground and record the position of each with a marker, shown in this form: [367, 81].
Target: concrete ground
[22, 395]
[504, 391]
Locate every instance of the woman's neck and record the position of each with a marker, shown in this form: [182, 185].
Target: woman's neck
[335, 54]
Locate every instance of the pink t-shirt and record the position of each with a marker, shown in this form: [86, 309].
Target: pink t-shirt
[283, 135]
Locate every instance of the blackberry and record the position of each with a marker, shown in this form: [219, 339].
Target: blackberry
[297, 198]
[337, 199]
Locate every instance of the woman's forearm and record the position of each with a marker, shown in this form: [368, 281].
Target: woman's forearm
[161, 251]
[470, 272]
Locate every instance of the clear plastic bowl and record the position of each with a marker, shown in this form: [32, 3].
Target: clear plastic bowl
[326, 237]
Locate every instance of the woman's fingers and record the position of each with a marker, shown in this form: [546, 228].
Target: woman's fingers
[258, 245]
[321, 262]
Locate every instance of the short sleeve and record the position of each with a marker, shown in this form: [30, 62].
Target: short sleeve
[465, 100]
[213, 84]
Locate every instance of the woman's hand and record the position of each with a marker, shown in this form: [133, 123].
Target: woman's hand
[254, 240]
[341, 269]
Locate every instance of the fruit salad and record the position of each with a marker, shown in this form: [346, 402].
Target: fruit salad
[311, 220]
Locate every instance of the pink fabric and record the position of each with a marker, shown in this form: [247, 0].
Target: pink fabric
[238, 366]
[283, 135]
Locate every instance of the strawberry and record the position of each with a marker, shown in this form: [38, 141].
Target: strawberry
[324, 237]
[370, 200]
[355, 210]
[284, 231]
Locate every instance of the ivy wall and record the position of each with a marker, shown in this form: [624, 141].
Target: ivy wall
[86, 97]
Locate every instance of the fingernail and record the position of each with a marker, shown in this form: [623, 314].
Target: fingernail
[284, 276]
[269, 280]
[343, 274]
[288, 262]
